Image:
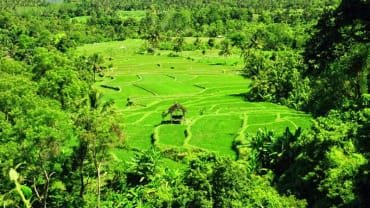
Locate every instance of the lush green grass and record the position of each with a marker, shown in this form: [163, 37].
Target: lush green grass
[122, 14]
[172, 134]
[137, 14]
[81, 19]
[216, 110]
[215, 132]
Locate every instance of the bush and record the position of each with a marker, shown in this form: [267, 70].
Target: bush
[171, 54]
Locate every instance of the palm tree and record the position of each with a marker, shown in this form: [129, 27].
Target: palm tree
[225, 48]
[96, 62]
[179, 44]
[153, 37]
[99, 130]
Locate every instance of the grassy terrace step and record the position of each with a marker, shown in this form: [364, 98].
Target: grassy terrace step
[217, 112]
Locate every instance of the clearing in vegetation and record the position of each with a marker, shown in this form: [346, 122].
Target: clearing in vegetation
[212, 94]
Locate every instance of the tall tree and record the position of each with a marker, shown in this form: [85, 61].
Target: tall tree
[179, 44]
[96, 61]
[98, 131]
[337, 56]
[226, 49]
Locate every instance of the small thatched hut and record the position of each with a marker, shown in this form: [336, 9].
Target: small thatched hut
[177, 113]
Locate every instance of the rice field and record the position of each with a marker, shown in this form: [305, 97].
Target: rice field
[216, 111]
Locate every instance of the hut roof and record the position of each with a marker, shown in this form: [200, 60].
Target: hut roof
[177, 106]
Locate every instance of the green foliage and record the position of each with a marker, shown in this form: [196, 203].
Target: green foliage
[349, 75]
[61, 130]
[179, 44]
[144, 167]
[269, 151]
[151, 184]
[42, 92]
[238, 39]
[225, 49]
[24, 192]
[338, 57]
[209, 180]
[322, 165]
[276, 36]
[211, 43]
[342, 166]
[219, 182]
[277, 78]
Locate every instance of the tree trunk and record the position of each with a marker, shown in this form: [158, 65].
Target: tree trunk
[82, 188]
[47, 186]
[94, 72]
[97, 165]
[363, 81]
[99, 182]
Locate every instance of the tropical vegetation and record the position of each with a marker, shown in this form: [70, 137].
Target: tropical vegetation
[80, 122]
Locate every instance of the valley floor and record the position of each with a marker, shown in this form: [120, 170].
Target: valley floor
[212, 93]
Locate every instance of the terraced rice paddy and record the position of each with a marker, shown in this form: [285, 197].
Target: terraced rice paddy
[217, 113]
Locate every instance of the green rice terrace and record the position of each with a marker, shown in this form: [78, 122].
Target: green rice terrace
[208, 87]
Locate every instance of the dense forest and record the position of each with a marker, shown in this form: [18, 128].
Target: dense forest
[56, 131]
